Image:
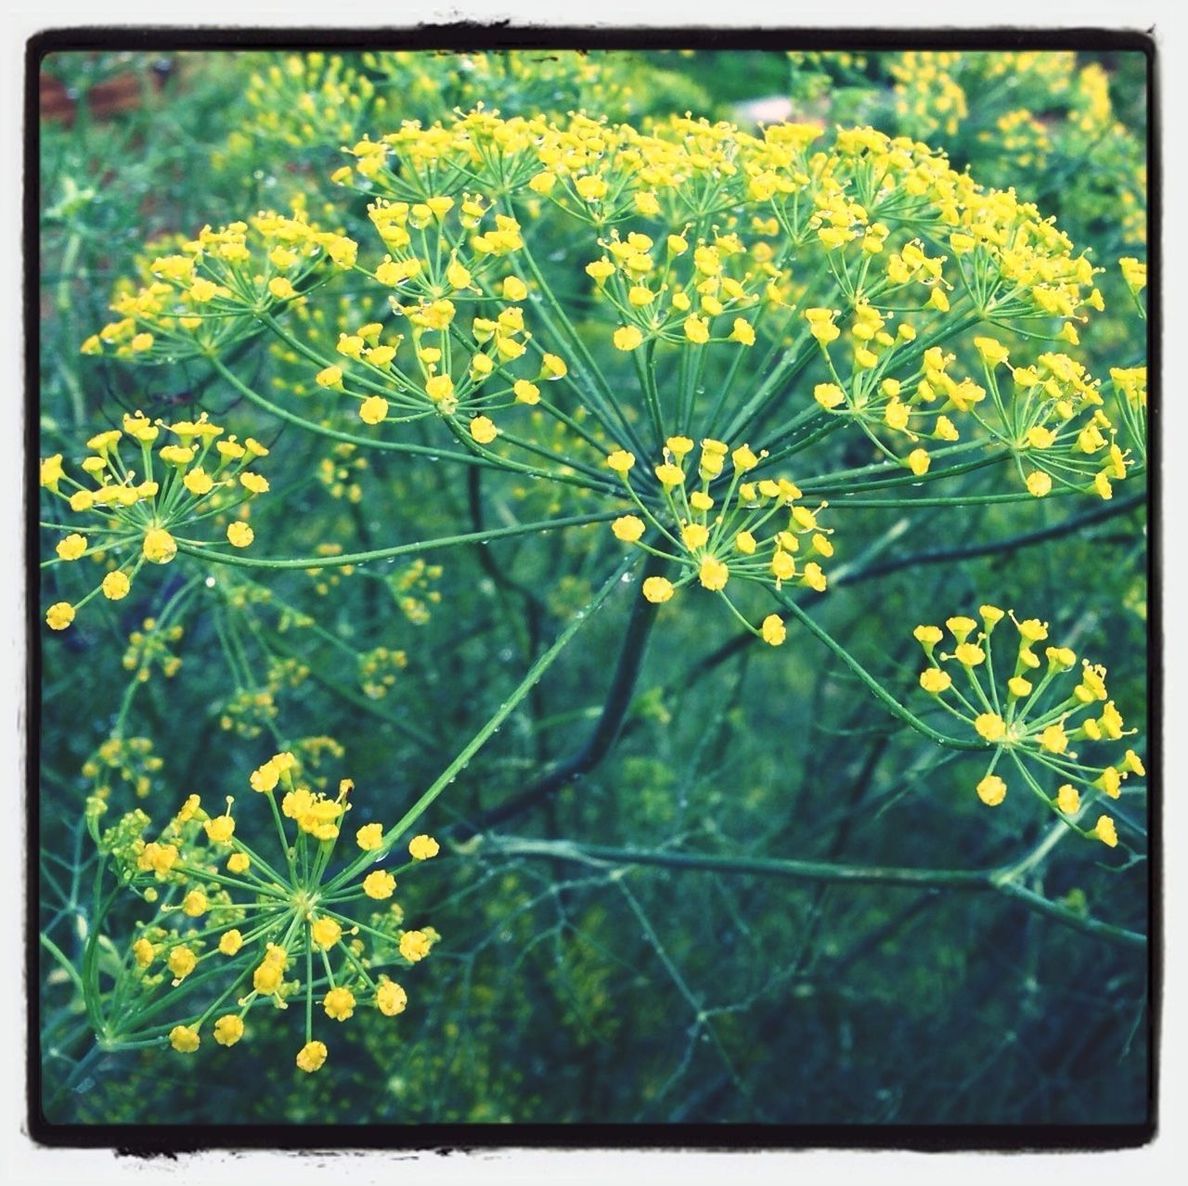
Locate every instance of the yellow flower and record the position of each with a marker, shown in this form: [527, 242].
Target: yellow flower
[514, 289]
[116, 585]
[525, 392]
[228, 1029]
[184, 1039]
[627, 337]
[918, 462]
[265, 777]
[51, 471]
[159, 546]
[439, 388]
[325, 932]
[814, 577]
[267, 977]
[379, 884]
[423, 848]
[230, 942]
[182, 961]
[198, 482]
[1110, 781]
[1054, 739]
[992, 351]
[390, 998]
[620, 461]
[628, 528]
[743, 332]
[414, 946]
[330, 377]
[552, 367]
[992, 790]
[1033, 630]
[658, 590]
[72, 547]
[311, 1056]
[1068, 799]
[696, 329]
[220, 829]
[373, 410]
[1105, 831]
[483, 430]
[713, 574]
[744, 459]
[369, 836]
[969, 655]
[783, 566]
[239, 534]
[339, 1004]
[990, 726]
[194, 904]
[773, 630]
[934, 681]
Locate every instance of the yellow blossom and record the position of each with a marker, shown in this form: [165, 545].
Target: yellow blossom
[311, 1056]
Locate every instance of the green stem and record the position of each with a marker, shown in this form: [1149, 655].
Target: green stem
[451, 772]
[819, 871]
[877, 690]
[193, 548]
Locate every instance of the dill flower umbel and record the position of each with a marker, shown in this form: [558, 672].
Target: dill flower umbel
[1032, 717]
[235, 929]
[143, 494]
[719, 525]
[910, 277]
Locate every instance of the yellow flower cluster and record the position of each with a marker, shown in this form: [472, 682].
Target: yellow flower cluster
[123, 760]
[305, 100]
[1053, 421]
[216, 289]
[224, 906]
[718, 524]
[144, 491]
[701, 237]
[1019, 136]
[676, 291]
[933, 87]
[1034, 719]
[443, 256]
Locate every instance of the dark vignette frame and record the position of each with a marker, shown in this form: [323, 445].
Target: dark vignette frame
[445, 1138]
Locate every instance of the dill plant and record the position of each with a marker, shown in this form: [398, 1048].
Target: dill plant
[664, 333]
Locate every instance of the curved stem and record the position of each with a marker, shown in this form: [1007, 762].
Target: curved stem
[618, 701]
[193, 548]
[877, 690]
[987, 880]
[472, 747]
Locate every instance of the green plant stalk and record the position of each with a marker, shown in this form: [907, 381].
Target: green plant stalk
[447, 776]
[877, 690]
[195, 548]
